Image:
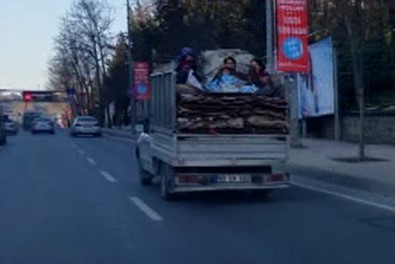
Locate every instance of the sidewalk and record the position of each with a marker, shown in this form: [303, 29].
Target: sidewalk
[316, 160]
[122, 132]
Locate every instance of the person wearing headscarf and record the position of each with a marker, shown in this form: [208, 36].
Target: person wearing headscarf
[187, 66]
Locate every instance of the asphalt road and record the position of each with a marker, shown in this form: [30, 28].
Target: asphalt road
[78, 201]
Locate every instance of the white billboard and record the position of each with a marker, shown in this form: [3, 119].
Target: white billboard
[316, 90]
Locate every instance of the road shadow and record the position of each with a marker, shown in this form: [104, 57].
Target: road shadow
[226, 197]
[358, 159]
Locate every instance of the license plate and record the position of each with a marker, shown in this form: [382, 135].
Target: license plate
[233, 178]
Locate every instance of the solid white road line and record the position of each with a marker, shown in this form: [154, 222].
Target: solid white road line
[108, 176]
[91, 161]
[346, 197]
[80, 151]
[146, 209]
[75, 146]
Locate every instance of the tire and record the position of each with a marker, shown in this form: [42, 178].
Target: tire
[166, 172]
[144, 176]
[3, 140]
[261, 194]
[52, 132]
[98, 135]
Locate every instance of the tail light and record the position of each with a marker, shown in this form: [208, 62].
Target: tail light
[277, 177]
[188, 179]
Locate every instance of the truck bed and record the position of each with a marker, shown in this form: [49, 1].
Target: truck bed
[221, 113]
[194, 150]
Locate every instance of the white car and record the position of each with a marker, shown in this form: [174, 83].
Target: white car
[43, 124]
[86, 125]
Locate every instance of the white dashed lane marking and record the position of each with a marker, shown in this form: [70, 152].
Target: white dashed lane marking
[151, 213]
[108, 176]
[91, 161]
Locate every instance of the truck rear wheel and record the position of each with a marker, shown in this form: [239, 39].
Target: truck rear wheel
[166, 172]
[145, 177]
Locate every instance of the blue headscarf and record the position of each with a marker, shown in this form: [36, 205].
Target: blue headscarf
[186, 51]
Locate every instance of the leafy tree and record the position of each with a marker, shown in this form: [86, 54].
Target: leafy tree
[117, 82]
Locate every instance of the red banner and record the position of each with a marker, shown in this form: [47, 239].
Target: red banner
[142, 89]
[292, 36]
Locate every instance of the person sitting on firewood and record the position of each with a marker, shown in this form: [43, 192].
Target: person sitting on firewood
[230, 64]
[187, 76]
[227, 79]
[261, 80]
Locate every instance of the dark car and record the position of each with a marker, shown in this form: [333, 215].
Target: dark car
[3, 137]
[11, 127]
[28, 118]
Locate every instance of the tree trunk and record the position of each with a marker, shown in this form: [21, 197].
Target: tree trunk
[357, 66]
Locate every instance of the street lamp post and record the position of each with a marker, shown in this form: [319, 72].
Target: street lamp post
[130, 62]
[269, 36]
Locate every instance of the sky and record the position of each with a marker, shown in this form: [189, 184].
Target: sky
[27, 32]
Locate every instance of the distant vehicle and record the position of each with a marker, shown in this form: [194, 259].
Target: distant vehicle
[85, 125]
[28, 118]
[11, 127]
[3, 136]
[42, 124]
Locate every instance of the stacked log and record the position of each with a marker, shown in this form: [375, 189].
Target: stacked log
[231, 114]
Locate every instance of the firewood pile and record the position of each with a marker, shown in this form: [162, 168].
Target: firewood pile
[231, 114]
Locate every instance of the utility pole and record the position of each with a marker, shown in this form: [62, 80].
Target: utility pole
[337, 103]
[292, 81]
[269, 37]
[130, 63]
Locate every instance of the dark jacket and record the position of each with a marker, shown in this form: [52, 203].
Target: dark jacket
[182, 76]
[268, 89]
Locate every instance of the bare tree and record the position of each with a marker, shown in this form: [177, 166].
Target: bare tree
[82, 49]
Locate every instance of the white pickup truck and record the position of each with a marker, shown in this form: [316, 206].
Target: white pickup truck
[191, 162]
